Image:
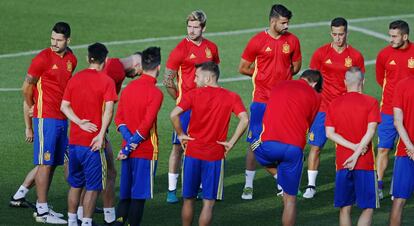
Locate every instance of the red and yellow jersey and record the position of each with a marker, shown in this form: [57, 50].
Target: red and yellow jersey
[137, 109]
[273, 61]
[290, 111]
[115, 69]
[392, 65]
[404, 99]
[87, 93]
[53, 73]
[211, 108]
[333, 66]
[183, 59]
[350, 114]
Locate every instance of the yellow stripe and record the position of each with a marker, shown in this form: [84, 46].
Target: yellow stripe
[377, 203]
[41, 140]
[221, 182]
[180, 83]
[373, 154]
[39, 98]
[254, 78]
[383, 89]
[104, 168]
[396, 146]
[154, 142]
[152, 177]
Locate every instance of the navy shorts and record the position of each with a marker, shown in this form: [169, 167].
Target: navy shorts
[403, 178]
[317, 135]
[387, 133]
[256, 121]
[185, 120]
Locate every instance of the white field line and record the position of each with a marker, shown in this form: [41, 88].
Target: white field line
[234, 78]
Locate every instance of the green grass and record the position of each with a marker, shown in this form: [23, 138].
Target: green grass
[26, 26]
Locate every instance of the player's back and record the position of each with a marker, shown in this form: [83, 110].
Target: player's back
[115, 70]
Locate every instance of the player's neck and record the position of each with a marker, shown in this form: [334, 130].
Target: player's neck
[339, 49]
[97, 67]
[197, 41]
[274, 34]
[405, 45]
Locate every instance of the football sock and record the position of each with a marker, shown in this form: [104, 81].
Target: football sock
[312, 174]
[249, 178]
[172, 181]
[136, 211]
[109, 214]
[122, 210]
[42, 208]
[86, 221]
[380, 185]
[72, 219]
[80, 212]
[21, 192]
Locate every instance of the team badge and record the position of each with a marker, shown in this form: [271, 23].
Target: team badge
[348, 62]
[328, 61]
[286, 48]
[69, 66]
[392, 62]
[192, 56]
[410, 63]
[311, 136]
[250, 134]
[208, 53]
[46, 156]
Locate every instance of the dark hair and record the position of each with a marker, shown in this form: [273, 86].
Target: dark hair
[151, 58]
[279, 10]
[338, 22]
[198, 15]
[313, 76]
[62, 28]
[210, 67]
[400, 25]
[97, 53]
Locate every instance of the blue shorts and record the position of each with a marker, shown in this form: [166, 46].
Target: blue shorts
[185, 120]
[208, 173]
[289, 161]
[137, 178]
[87, 168]
[256, 121]
[358, 186]
[387, 134]
[317, 135]
[403, 178]
[50, 141]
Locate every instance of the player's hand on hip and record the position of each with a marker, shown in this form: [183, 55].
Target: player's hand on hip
[227, 145]
[97, 143]
[88, 126]
[184, 140]
[29, 135]
[410, 152]
[121, 156]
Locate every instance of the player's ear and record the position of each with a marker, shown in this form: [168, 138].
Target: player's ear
[204, 29]
[68, 41]
[405, 37]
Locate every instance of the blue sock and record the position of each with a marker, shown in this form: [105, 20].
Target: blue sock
[380, 185]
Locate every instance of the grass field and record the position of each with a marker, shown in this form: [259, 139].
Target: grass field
[26, 26]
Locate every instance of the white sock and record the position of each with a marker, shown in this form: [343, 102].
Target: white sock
[249, 178]
[312, 174]
[21, 192]
[42, 208]
[201, 186]
[109, 214]
[86, 221]
[275, 176]
[80, 212]
[278, 186]
[172, 181]
[72, 219]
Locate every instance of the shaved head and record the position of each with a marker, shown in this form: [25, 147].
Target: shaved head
[354, 78]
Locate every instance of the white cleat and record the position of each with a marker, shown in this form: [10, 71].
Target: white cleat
[247, 193]
[52, 212]
[49, 219]
[309, 192]
[380, 194]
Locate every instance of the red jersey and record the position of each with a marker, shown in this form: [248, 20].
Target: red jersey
[273, 61]
[350, 114]
[53, 72]
[183, 59]
[392, 65]
[290, 111]
[115, 69]
[137, 109]
[211, 108]
[404, 99]
[87, 93]
[333, 66]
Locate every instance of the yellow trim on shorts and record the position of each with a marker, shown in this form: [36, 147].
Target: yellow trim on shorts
[41, 140]
[221, 182]
[104, 168]
[152, 170]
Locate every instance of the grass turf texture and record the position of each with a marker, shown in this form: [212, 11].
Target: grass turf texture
[26, 26]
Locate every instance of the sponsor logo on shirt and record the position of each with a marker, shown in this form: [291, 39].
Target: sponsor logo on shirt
[192, 56]
[268, 49]
[54, 67]
[208, 53]
[410, 63]
[348, 62]
[69, 66]
[392, 62]
[286, 48]
[328, 61]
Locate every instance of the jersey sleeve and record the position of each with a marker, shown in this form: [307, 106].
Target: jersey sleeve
[360, 62]
[119, 116]
[380, 68]
[329, 120]
[315, 62]
[37, 67]
[374, 114]
[67, 95]
[175, 59]
[238, 106]
[398, 95]
[151, 113]
[250, 52]
[216, 57]
[187, 100]
[110, 91]
[297, 53]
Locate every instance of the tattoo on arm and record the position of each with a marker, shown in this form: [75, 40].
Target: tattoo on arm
[30, 79]
[169, 78]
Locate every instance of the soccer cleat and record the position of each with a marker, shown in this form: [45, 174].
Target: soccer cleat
[279, 193]
[110, 223]
[200, 194]
[98, 210]
[380, 194]
[51, 212]
[309, 192]
[247, 193]
[172, 196]
[21, 203]
[48, 218]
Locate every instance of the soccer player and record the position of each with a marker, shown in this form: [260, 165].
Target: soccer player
[403, 175]
[192, 50]
[206, 144]
[43, 90]
[270, 56]
[88, 103]
[394, 62]
[332, 60]
[140, 152]
[291, 108]
[353, 132]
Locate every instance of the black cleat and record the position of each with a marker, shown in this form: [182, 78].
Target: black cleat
[21, 203]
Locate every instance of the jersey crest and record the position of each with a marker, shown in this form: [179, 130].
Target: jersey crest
[286, 48]
[69, 66]
[410, 63]
[348, 62]
[208, 53]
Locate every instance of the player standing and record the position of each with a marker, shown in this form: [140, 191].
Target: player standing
[206, 144]
[332, 60]
[192, 50]
[353, 132]
[290, 110]
[88, 103]
[138, 113]
[394, 62]
[270, 56]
